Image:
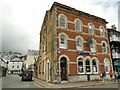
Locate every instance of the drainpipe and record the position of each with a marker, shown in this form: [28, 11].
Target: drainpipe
[54, 47]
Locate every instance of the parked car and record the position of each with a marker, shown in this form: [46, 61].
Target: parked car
[26, 75]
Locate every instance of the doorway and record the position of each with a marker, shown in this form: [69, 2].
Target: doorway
[63, 66]
[48, 71]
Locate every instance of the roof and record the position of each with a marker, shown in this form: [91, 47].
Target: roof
[112, 30]
[16, 60]
[78, 12]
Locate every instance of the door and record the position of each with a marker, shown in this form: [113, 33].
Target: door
[63, 66]
[48, 71]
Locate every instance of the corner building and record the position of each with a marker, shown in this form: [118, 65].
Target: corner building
[73, 45]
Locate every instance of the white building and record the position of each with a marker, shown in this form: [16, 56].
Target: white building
[15, 66]
[31, 57]
[3, 67]
[6, 56]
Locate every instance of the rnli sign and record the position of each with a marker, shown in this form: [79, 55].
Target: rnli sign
[84, 53]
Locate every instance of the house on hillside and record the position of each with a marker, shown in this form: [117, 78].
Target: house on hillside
[15, 66]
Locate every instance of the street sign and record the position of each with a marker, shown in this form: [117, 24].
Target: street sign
[84, 53]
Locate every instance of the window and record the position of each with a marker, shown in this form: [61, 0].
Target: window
[40, 68]
[63, 41]
[106, 66]
[104, 47]
[93, 46]
[102, 32]
[80, 66]
[79, 44]
[62, 21]
[94, 66]
[110, 34]
[91, 29]
[78, 26]
[18, 66]
[44, 46]
[88, 68]
[12, 66]
[43, 67]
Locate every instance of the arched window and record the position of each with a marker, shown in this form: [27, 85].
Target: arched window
[78, 26]
[102, 32]
[80, 66]
[88, 68]
[94, 66]
[106, 65]
[104, 47]
[63, 41]
[93, 46]
[79, 43]
[91, 29]
[62, 21]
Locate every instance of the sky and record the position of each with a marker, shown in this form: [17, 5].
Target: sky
[21, 20]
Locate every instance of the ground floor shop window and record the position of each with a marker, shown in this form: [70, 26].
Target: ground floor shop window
[88, 66]
[94, 66]
[106, 65]
[80, 66]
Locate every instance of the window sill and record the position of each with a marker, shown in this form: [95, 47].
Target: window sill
[62, 27]
[63, 48]
[81, 73]
[95, 73]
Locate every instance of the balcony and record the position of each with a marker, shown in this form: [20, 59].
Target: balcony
[114, 38]
[116, 55]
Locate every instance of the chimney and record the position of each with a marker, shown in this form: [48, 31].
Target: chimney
[113, 27]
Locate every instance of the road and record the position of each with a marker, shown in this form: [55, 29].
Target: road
[107, 85]
[14, 81]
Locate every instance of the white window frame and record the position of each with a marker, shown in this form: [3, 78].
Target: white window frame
[83, 66]
[93, 46]
[17, 66]
[80, 47]
[102, 31]
[65, 21]
[89, 66]
[63, 46]
[94, 58]
[103, 42]
[106, 63]
[78, 25]
[91, 29]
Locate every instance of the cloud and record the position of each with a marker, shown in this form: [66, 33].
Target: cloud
[21, 20]
[14, 38]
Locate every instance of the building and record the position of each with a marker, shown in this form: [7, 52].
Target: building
[114, 39]
[74, 46]
[32, 56]
[15, 66]
[0, 54]
[3, 67]
[7, 56]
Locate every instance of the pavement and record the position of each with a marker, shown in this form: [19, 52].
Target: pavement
[81, 84]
